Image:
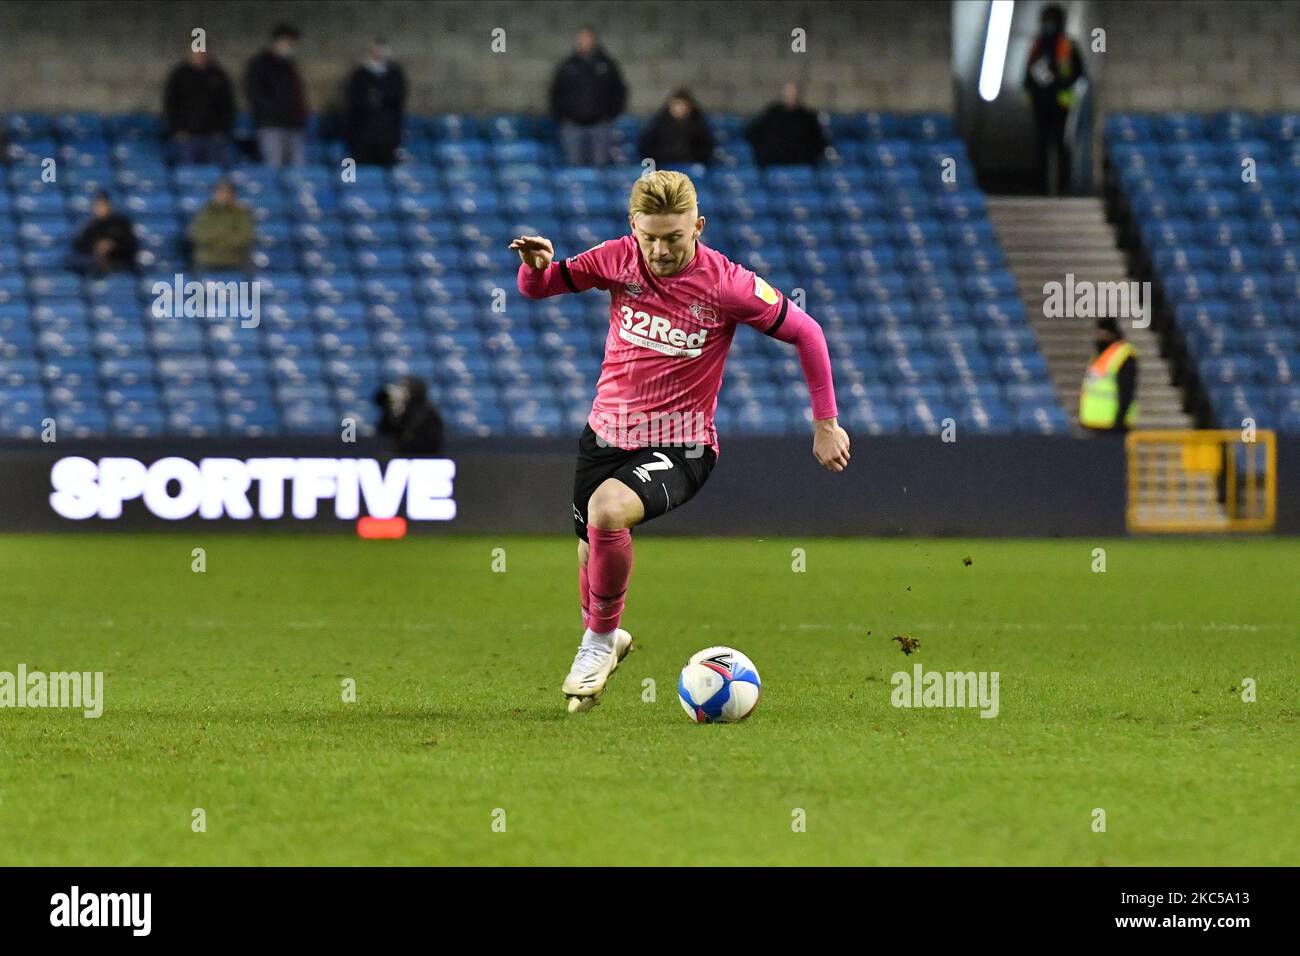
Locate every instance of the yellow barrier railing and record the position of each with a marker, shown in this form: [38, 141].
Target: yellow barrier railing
[1188, 481]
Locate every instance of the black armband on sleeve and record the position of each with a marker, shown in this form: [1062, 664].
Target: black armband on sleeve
[785, 305]
[564, 274]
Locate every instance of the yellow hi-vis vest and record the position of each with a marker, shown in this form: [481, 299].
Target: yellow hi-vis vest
[1099, 397]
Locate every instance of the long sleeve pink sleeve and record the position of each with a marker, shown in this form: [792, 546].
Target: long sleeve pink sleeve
[542, 283]
[800, 329]
[587, 270]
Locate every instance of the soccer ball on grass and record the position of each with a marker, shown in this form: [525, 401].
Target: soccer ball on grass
[719, 685]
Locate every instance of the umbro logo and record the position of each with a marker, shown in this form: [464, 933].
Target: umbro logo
[633, 289]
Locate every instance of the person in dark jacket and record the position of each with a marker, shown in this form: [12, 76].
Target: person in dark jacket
[279, 100]
[587, 95]
[678, 134]
[376, 102]
[787, 132]
[106, 243]
[199, 106]
[409, 418]
[1051, 72]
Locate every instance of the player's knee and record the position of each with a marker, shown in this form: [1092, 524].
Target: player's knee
[612, 507]
[584, 552]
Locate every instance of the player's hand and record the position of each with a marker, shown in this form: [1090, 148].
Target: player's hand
[831, 445]
[537, 251]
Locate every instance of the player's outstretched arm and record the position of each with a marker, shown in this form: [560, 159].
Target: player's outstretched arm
[538, 277]
[830, 441]
[541, 275]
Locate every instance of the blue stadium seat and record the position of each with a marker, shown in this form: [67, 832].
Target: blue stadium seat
[394, 274]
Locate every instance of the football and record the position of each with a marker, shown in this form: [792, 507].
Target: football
[719, 685]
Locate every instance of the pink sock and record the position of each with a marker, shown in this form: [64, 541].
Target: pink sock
[583, 591]
[608, 570]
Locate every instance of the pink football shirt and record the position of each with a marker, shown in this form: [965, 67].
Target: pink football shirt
[668, 339]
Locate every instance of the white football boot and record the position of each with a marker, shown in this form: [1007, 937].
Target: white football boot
[592, 668]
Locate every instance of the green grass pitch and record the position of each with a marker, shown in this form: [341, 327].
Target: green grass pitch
[223, 691]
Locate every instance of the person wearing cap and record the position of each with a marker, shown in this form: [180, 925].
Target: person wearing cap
[222, 232]
[106, 243]
[376, 102]
[1108, 398]
[279, 101]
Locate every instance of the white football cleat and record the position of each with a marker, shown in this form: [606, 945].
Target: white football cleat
[592, 668]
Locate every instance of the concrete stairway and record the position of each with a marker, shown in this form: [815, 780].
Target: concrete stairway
[1047, 238]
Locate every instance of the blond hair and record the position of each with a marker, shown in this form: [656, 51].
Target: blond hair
[662, 192]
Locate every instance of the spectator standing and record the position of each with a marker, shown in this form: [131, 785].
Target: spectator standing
[1108, 396]
[106, 243]
[678, 134]
[376, 104]
[1051, 72]
[199, 107]
[222, 232]
[587, 95]
[279, 101]
[787, 132]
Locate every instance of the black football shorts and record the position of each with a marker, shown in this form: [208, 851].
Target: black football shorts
[663, 477]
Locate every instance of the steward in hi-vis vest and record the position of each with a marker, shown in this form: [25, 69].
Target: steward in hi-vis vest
[1108, 398]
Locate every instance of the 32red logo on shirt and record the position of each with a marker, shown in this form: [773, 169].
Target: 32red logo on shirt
[656, 332]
